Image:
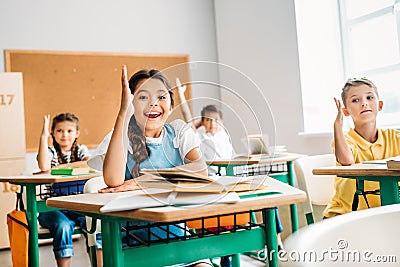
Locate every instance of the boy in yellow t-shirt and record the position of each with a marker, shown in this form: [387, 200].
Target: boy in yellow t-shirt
[364, 142]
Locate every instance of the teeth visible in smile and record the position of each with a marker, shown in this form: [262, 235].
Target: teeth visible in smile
[153, 114]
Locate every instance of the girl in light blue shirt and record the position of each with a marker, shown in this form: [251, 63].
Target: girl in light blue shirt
[151, 143]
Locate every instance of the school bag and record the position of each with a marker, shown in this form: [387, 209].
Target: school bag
[18, 233]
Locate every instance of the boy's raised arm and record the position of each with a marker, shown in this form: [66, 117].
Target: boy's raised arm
[342, 150]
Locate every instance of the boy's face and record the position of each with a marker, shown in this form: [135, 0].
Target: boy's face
[152, 104]
[362, 104]
[211, 122]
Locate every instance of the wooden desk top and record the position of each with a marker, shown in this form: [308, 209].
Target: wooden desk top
[91, 203]
[360, 169]
[279, 158]
[47, 178]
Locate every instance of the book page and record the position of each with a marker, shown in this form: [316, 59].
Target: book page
[137, 201]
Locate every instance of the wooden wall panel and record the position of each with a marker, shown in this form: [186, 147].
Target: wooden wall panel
[86, 84]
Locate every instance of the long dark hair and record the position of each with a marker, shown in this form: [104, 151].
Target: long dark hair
[135, 133]
[74, 149]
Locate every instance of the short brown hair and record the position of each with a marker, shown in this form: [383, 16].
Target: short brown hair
[210, 108]
[356, 82]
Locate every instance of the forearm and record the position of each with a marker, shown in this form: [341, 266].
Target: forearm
[187, 115]
[114, 161]
[342, 149]
[44, 160]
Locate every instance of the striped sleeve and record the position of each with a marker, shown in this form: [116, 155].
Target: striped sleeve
[83, 152]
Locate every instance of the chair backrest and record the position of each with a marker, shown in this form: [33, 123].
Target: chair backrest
[93, 185]
[319, 188]
[356, 239]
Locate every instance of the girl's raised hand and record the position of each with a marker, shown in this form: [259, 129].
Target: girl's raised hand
[127, 97]
[46, 125]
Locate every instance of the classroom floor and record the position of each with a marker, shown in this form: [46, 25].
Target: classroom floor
[81, 259]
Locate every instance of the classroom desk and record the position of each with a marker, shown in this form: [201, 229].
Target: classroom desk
[189, 249]
[388, 179]
[283, 176]
[33, 205]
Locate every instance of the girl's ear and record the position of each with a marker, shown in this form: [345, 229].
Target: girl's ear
[77, 133]
[345, 112]
[380, 105]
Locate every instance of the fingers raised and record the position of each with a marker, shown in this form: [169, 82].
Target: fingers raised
[338, 104]
[124, 77]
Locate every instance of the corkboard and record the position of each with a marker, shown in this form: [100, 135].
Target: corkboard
[86, 84]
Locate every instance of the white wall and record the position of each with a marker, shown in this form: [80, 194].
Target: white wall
[133, 26]
[258, 38]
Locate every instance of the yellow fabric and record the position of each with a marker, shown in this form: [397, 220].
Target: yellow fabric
[18, 234]
[387, 145]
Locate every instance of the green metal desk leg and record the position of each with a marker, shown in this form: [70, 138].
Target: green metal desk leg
[293, 207]
[270, 237]
[236, 260]
[31, 216]
[309, 218]
[219, 170]
[230, 170]
[112, 243]
[389, 191]
[92, 254]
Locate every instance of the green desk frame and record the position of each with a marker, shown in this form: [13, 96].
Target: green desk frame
[174, 252]
[33, 206]
[260, 237]
[388, 186]
[285, 177]
[388, 179]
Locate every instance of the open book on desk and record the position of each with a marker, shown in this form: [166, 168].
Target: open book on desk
[148, 200]
[214, 184]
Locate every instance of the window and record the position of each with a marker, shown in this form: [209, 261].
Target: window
[353, 38]
[370, 37]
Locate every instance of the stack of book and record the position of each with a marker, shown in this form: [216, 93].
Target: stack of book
[393, 163]
[70, 171]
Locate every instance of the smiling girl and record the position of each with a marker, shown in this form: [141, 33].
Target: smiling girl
[153, 143]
